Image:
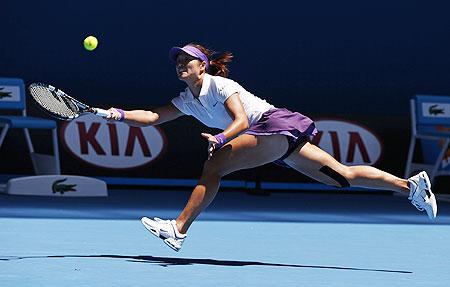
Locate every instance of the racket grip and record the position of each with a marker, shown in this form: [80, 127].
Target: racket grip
[101, 112]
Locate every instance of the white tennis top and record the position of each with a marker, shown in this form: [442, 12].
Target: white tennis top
[209, 106]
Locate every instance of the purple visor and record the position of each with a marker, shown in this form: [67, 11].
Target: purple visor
[190, 50]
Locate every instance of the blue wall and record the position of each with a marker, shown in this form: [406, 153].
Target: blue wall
[319, 57]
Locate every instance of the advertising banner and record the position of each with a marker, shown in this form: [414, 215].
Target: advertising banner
[91, 146]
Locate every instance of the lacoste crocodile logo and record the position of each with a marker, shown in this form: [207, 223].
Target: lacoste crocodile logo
[5, 94]
[58, 186]
[435, 110]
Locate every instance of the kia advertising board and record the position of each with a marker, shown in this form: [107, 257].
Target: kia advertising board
[117, 146]
[112, 145]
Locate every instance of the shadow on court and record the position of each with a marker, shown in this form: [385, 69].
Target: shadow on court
[175, 261]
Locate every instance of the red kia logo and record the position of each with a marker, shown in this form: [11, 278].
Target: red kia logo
[112, 144]
[348, 142]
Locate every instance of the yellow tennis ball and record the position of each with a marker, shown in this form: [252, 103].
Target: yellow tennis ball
[90, 43]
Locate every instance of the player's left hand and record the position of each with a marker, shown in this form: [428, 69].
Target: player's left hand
[212, 143]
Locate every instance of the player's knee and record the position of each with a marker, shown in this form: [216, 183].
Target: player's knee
[349, 173]
[341, 176]
[211, 169]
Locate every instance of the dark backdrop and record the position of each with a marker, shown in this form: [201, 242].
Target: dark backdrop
[358, 60]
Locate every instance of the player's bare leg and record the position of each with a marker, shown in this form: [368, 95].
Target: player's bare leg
[310, 160]
[316, 163]
[243, 152]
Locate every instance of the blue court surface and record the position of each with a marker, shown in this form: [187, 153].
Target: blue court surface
[285, 239]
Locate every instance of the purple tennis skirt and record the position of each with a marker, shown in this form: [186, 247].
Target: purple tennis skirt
[297, 127]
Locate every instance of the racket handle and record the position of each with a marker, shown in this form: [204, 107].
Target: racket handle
[101, 112]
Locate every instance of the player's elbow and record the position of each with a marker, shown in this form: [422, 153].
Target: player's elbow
[243, 123]
[150, 118]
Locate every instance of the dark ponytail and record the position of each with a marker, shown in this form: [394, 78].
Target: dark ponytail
[217, 66]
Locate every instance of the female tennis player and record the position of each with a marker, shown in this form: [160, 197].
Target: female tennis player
[254, 133]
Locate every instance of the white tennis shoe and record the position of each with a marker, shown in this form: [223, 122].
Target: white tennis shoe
[166, 230]
[421, 195]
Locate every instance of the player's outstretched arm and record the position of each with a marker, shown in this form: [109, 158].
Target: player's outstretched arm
[146, 118]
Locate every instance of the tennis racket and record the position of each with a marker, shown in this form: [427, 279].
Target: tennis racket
[59, 105]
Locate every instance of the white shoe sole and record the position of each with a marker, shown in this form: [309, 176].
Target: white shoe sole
[156, 232]
[432, 211]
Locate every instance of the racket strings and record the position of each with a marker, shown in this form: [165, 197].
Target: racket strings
[54, 102]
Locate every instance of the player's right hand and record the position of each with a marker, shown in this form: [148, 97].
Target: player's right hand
[114, 114]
